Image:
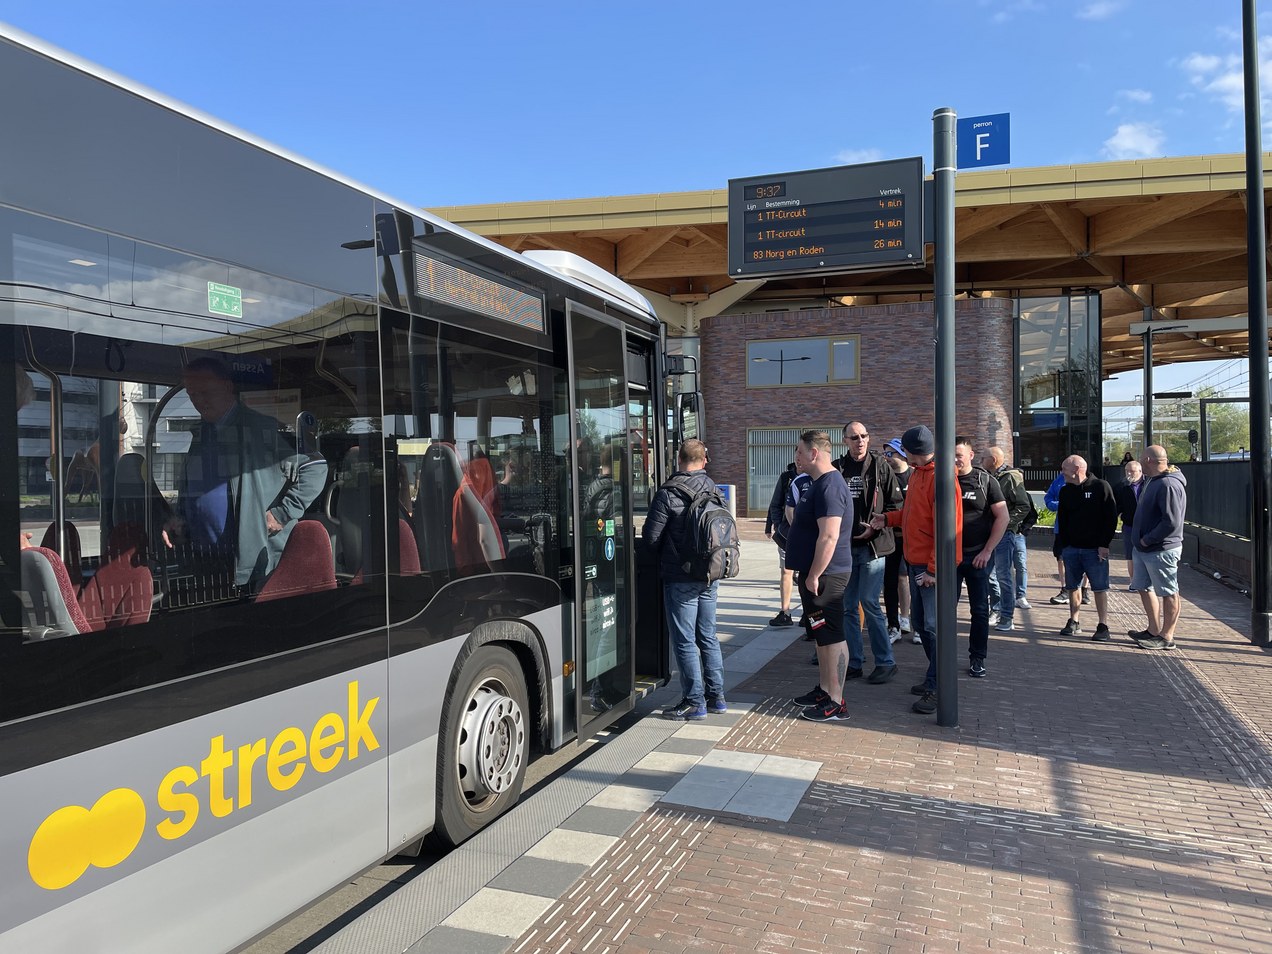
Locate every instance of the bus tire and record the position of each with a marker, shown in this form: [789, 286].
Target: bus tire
[483, 746]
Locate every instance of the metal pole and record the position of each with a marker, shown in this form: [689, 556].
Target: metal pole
[1148, 381]
[1257, 290]
[945, 163]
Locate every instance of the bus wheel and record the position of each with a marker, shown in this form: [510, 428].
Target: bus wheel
[483, 746]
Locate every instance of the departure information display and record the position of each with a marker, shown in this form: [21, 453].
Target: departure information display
[842, 219]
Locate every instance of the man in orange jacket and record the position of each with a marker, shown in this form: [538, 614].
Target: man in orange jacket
[917, 520]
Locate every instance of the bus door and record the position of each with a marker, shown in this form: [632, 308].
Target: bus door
[646, 427]
[604, 674]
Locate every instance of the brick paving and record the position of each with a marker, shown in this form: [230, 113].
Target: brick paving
[1094, 797]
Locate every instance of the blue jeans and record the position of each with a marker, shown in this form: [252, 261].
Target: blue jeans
[1008, 555]
[865, 586]
[978, 600]
[691, 620]
[923, 619]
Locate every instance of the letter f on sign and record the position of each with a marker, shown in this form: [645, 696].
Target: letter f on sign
[982, 143]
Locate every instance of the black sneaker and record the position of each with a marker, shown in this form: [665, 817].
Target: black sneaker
[881, 674]
[810, 698]
[783, 618]
[852, 674]
[717, 706]
[1060, 598]
[1135, 635]
[977, 669]
[826, 711]
[919, 688]
[926, 705]
[1086, 596]
[1071, 628]
[1101, 633]
[1155, 642]
[685, 711]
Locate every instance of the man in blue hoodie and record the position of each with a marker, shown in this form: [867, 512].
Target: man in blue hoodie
[1158, 535]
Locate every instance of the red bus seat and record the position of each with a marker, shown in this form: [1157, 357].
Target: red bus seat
[121, 592]
[306, 565]
[54, 610]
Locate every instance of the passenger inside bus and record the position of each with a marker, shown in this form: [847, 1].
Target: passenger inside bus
[243, 486]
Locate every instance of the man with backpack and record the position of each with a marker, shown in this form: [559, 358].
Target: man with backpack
[1011, 552]
[674, 530]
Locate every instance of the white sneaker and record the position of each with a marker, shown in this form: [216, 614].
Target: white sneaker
[1023, 603]
[1005, 626]
[916, 638]
[993, 619]
[894, 634]
[905, 623]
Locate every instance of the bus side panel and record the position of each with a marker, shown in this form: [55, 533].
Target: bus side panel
[196, 836]
[417, 683]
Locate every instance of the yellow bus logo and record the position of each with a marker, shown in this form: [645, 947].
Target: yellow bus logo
[73, 839]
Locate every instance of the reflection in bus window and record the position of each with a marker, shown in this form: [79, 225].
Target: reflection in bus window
[158, 486]
[478, 483]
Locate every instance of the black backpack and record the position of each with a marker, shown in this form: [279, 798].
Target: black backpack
[709, 546]
[1028, 521]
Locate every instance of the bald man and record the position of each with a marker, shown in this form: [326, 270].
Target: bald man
[1158, 535]
[1087, 521]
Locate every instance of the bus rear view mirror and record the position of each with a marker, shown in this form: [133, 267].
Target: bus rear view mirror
[689, 416]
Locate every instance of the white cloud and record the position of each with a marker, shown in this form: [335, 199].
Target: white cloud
[1010, 9]
[1135, 141]
[850, 157]
[1100, 9]
[1136, 95]
[1222, 77]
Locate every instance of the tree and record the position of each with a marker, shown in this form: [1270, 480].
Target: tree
[1229, 424]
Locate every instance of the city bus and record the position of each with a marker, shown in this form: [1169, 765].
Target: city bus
[251, 650]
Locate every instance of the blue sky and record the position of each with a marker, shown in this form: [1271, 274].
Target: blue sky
[452, 103]
[456, 103]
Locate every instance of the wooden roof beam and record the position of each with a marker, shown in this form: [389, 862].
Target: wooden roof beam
[1156, 268]
[632, 252]
[1118, 225]
[1072, 224]
[970, 222]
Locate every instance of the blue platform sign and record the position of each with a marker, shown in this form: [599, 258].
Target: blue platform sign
[984, 141]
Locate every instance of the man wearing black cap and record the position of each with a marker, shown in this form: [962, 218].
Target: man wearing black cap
[918, 522]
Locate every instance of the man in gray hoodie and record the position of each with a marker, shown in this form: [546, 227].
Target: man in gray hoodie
[1158, 536]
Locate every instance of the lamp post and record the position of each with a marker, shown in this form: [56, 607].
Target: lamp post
[780, 361]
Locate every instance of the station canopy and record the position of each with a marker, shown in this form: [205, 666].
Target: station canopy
[1162, 241]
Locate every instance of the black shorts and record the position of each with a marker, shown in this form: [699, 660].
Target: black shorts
[1055, 545]
[830, 603]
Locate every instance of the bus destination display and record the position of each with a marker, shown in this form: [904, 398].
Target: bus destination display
[846, 218]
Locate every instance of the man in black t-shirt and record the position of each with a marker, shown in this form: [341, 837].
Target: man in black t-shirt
[873, 486]
[819, 550]
[984, 522]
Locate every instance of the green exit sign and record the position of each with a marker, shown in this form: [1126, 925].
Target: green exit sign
[225, 300]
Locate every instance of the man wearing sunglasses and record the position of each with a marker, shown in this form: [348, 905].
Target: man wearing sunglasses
[874, 490]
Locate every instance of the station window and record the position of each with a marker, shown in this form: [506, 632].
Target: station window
[803, 362]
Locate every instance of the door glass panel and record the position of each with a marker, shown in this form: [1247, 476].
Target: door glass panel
[640, 414]
[602, 440]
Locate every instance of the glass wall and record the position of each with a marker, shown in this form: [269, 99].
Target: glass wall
[1058, 348]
